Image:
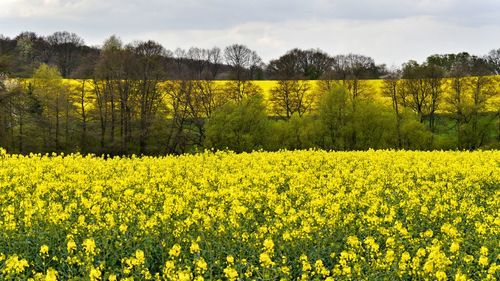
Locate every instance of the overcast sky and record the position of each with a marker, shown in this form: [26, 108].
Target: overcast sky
[390, 31]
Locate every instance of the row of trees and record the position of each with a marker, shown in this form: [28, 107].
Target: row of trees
[20, 56]
[340, 117]
[465, 102]
[141, 98]
[151, 116]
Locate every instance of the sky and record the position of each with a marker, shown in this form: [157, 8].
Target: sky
[390, 31]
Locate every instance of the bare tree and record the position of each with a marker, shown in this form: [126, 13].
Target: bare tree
[291, 96]
[304, 64]
[493, 59]
[484, 89]
[422, 88]
[390, 88]
[292, 93]
[244, 63]
[240, 58]
[65, 46]
[352, 70]
[109, 79]
[314, 63]
[102, 106]
[83, 97]
[198, 62]
[149, 95]
[179, 94]
[286, 67]
[353, 66]
[434, 80]
[470, 96]
[215, 59]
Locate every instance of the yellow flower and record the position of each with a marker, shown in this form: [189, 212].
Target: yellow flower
[201, 265]
[139, 256]
[14, 265]
[321, 269]
[483, 251]
[95, 274]
[421, 252]
[428, 267]
[287, 236]
[285, 270]
[44, 249]
[460, 277]
[230, 259]
[175, 251]
[89, 246]
[268, 245]
[306, 266]
[405, 257]
[449, 229]
[230, 273]
[123, 228]
[265, 260]
[468, 258]
[390, 242]
[370, 242]
[483, 261]
[184, 276]
[441, 275]
[168, 268]
[194, 248]
[51, 275]
[454, 247]
[346, 270]
[353, 241]
[71, 246]
[389, 256]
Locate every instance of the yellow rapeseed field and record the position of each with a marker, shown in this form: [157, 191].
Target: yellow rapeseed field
[307, 215]
[371, 88]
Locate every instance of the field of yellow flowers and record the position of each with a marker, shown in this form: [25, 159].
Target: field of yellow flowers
[307, 215]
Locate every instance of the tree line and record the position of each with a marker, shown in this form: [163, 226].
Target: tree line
[141, 98]
[20, 56]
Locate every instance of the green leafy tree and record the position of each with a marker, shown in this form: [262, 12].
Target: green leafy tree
[374, 126]
[299, 132]
[238, 126]
[53, 96]
[334, 112]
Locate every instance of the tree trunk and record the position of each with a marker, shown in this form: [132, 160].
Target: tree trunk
[398, 117]
[57, 123]
[66, 137]
[21, 124]
[83, 141]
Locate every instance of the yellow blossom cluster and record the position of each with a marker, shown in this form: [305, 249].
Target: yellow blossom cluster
[301, 215]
